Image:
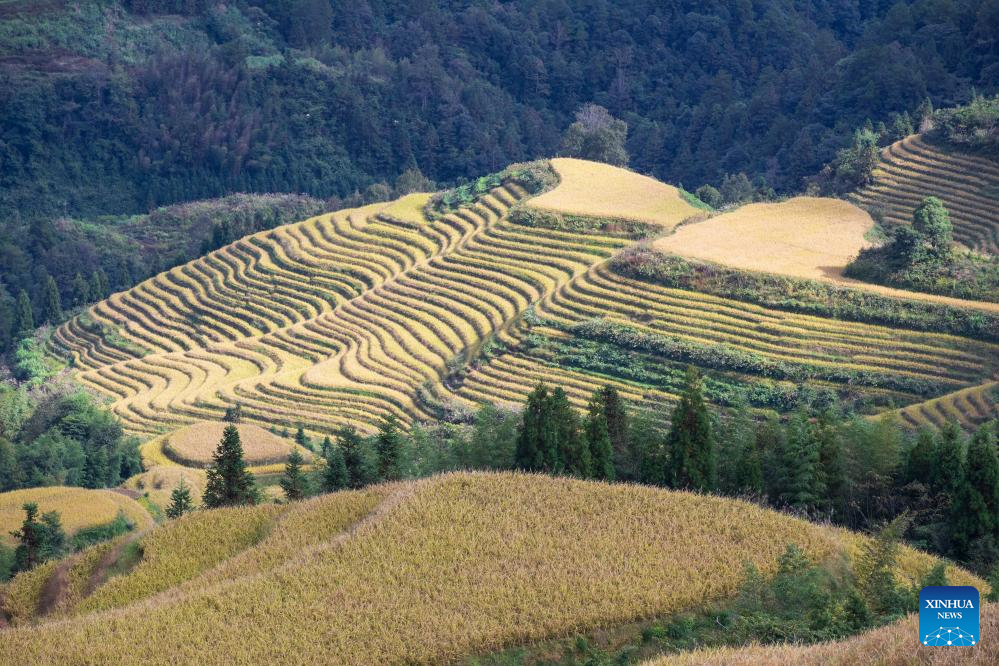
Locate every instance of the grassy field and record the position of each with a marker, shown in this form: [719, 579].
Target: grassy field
[600, 190]
[423, 571]
[912, 169]
[894, 645]
[78, 508]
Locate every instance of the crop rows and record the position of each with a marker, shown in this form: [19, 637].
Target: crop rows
[336, 320]
[845, 355]
[970, 407]
[912, 169]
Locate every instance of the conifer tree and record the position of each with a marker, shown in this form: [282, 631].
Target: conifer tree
[921, 458]
[180, 500]
[389, 447]
[736, 446]
[81, 291]
[98, 288]
[29, 537]
[803, 485]
[233, 414]
[360, 469]
[530, 455]
[335, 476]
[293, 483]
[616, 413]
[53, 302]
[97, 469]
[569, 453]
[975, 511]
[598, 439]
[24, 317]
[302, 439]
[949, 460]
[690, 442]
[229, 483]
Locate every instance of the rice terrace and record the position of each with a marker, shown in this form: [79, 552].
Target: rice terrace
[496, 333]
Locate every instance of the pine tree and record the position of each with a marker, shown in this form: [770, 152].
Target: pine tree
[571, 453]
[228, 481]
[921, 458]
[326, 446]
[81, 291]
[975, 511]
[736, 444]
[97, 469]
[294, 483]
[530, 437]
[598, 439]
[690, 442]
[360, 469]
[389, 446]
[53, 302]
[949, 461]
[302, 439]
[180, 500]
[97, 287]
[29, 537]
[803, 485]
[24, 317]
[335, 476]
[618, 429]
[233, 414]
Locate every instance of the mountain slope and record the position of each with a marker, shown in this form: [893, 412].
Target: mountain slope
[429, 570]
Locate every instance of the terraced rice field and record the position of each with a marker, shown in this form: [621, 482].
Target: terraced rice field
[78, 508]
[854, 357]
[912, 169]
[428, 571]
[970, 407]
[336, 320]
[600, 190]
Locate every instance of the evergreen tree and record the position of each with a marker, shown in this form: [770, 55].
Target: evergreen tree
[24, 317]
[571, 455]
[81, 291]
[803, 484]
[389, 447]
[228, 481]
[690, 442]
[53, 302]
[949, 461]
[737, 453]
[180, 500]
[294, 482]
[97, 470]
[531, 445]
[876, 570]
[233, 414]
[302, 439]
[626, 462]
[52, 537]
[598, 439]
[921, 458]
[975, 511]
[335, 476]
[361, 469]
[28, 553]
[98, 288]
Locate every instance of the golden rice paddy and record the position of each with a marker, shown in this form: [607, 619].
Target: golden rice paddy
[194, 445]
[78, 508]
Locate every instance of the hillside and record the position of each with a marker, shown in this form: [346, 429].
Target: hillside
[419, 571]
[889, 646]
[914, 168]
[78, 508]
[397, 309]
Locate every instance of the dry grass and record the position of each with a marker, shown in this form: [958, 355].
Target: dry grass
[78, 508]
[897, 644]
[195, 444]
[409, 208]
[806, 237]
[445, 567]
[600, 190]
[159, 481]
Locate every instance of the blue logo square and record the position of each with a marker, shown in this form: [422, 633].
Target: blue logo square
[948, 615]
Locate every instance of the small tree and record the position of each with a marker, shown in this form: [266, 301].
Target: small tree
[626, 461]
[53, 302]
[302, 439]
[24, 318]
[389, 446]
[932, 220]
[975, 511]
[294, 482]
[229, 483]
[876, 570]
[709, 195]
[690, 442]
[29, 537]
[596, 135]
[180, 500]
[530, 453]
[335, 476]
[233, 414]
[569, 453]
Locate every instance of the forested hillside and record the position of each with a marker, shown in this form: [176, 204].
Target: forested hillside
[113, 106]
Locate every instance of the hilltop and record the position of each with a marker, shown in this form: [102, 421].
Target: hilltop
[429, 570]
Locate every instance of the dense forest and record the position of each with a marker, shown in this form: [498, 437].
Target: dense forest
[117, 107]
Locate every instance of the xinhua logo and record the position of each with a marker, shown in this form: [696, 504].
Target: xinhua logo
[948, 615]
